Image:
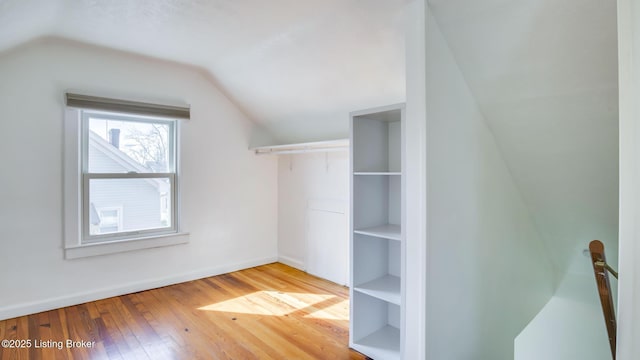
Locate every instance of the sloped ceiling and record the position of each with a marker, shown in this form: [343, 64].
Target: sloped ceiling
[544, 73]
[295, 67]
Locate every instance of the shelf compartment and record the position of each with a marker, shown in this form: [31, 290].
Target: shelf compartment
[377, 142]
[374, 258]
[385, 288]
[382, 344]
[387, 231]
[375, 330]
[376, 201]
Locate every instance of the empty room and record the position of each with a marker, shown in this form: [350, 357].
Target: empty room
[342, 179]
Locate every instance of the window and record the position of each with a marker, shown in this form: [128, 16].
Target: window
[120, 180]
[128, 162]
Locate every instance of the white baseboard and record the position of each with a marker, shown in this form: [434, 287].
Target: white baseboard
[12, 311]
[291, 262]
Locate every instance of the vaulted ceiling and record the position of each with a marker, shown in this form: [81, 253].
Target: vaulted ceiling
[295, 67]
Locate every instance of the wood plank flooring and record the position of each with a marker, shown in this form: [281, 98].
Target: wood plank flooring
[267, 312]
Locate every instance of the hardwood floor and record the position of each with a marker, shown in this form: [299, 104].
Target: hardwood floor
[268, 312]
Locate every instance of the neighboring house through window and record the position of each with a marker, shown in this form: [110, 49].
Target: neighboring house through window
[126, 172]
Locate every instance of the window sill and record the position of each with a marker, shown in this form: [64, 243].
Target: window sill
[113, 247]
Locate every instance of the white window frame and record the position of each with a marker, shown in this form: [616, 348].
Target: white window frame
[88, 176]
[77, 241]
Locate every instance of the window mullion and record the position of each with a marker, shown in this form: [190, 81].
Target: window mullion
[84, 134]
[174, 202]
[86, 207]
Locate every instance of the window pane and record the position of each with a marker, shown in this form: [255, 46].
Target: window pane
[120, 146]
[124, 205]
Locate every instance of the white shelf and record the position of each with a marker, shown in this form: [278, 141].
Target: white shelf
[385, 288]
[387, 231]
[377, 267]
[382, 173]
[381, 345]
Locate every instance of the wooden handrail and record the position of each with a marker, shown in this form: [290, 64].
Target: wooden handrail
[601, 271]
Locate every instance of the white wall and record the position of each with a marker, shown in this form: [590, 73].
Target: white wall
[487, 273]
[304, 180]
[544, 75]
[570, 326]
[629, 77]
[229, 200]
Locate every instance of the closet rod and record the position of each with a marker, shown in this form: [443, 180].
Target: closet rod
[318, 146]
[299, 151]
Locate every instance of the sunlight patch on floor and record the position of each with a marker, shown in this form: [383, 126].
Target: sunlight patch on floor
[275, 303]
[338, 311]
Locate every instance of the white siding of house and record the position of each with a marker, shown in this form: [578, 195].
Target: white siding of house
[140, 202]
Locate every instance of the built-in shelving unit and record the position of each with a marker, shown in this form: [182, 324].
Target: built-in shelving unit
[377, 246]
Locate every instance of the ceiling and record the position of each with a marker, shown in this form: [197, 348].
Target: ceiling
[296, 68]
[544, 73]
